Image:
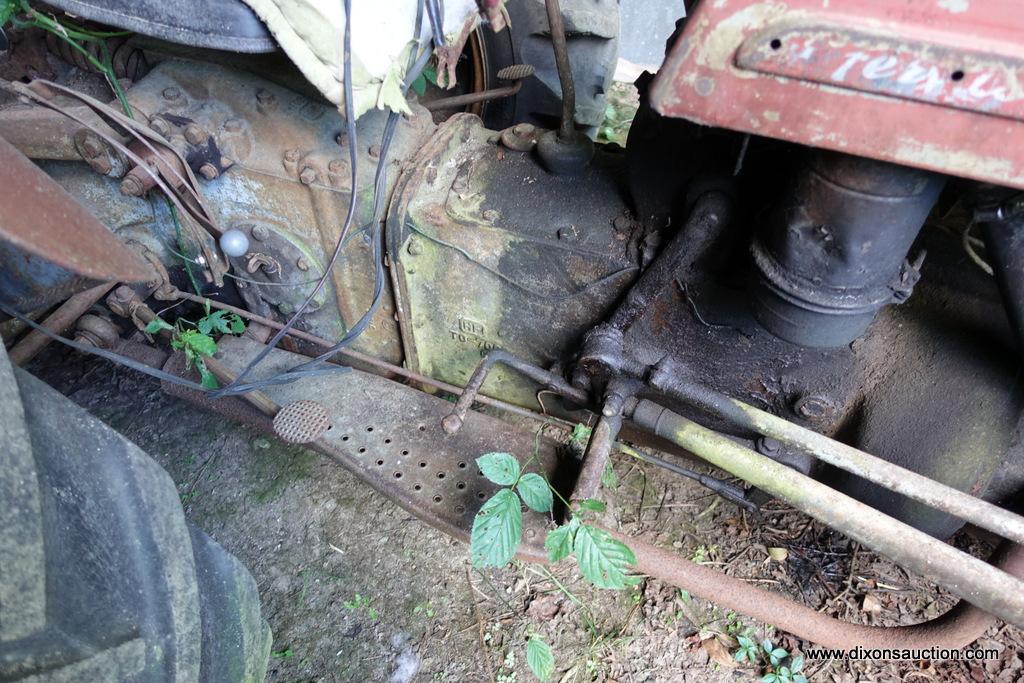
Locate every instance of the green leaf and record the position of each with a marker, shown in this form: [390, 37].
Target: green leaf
[797, 664]
[206, 325]
[580, 433]
[769, 678]
[591, 505]
[157, 324]
[767, 645]
[501, 468]
[206, 377]
[535, 492]
[799, 678]
[778, 654]
[540, 659]
[740, 655]
[7, 9]
[602, 559]
[202, 344]
[497, 530]
[559, 540]
[419, 86]
[745, 641]
[608, 478]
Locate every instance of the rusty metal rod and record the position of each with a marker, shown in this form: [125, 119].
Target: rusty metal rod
[453, 421]
[983, 514]
[383, 366]
[957, 628]
[968, 577]
[458, 101]
[595, 458]
[557, 25]
[57, 322]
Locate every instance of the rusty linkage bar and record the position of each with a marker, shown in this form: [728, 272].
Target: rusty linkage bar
[454, 420]
[671, 381]
[968, 577]
[515, 73]
[58, 321]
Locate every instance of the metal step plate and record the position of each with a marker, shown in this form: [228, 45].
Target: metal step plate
[390, 436]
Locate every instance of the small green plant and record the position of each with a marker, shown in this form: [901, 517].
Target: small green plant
[747, 651]
[774, 660]
[424, 608]
[361, 602]
[21, 15]
[196, 340]
[283, 654]
[498, 530]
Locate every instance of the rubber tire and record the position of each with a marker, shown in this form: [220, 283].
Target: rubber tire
[101, 578]
[592, 36]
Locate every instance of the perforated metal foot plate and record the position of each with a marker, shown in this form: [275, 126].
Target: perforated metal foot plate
[390, 436]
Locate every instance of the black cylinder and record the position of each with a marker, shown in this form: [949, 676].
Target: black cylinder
[834, 252]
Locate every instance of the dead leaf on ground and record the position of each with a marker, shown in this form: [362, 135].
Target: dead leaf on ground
[871, 604]
[719, 654]
[778, 554]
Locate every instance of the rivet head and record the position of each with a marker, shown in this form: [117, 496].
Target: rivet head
[307, 176]
[171, 93]
[415, 246]
[260, 233]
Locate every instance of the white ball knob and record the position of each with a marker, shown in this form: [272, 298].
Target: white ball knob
[234, 242]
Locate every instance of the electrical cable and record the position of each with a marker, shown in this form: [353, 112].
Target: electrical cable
[313, 367]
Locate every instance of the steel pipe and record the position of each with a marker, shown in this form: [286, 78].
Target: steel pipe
[671, 381]
[968, 577]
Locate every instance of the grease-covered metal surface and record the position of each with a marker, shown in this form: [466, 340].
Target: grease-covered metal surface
[488, 250]
[935, 85]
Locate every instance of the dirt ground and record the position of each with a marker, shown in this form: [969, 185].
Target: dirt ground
[355, 589]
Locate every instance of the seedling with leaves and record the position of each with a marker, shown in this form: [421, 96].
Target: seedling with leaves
[498, 526]
[775, 659]
[196, 340]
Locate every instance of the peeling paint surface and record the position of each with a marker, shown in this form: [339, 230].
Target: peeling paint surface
[891, 81]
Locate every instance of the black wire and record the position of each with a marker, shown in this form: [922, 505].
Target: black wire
[436, 22]
[313, 367]
[350, 127]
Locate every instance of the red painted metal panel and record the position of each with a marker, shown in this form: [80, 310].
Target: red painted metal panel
[936, 84]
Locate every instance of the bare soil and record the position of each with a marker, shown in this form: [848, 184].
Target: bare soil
[355, 589]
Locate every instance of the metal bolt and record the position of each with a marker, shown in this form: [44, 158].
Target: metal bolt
[291, 155]
[260, 233]
[264, 96]
[91, 147]
[415, 247]
[622, 223]
[768, 446]
[302, 264]
[308, 176]
[233, 125]
[208, 171]
[336, 166]
[132, 186]
[374, 151]
[160, 126]
[101, 165]
[171, 93]
[813, 407]
[195, 135]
